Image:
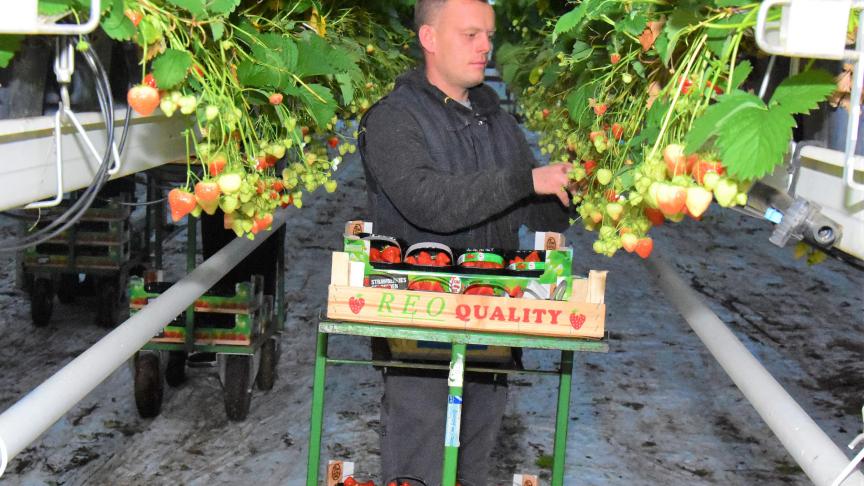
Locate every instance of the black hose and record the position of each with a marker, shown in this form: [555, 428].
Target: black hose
[83, 203]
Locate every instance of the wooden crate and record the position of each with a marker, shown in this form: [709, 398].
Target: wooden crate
[582, 316]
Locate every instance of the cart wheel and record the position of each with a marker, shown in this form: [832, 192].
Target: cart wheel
[238, 386]
[175, 371]
[68, 288]
[148, 385]
[267, 368]
[41, 301]
[108, 292]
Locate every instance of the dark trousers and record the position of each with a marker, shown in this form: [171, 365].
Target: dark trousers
[413, 413]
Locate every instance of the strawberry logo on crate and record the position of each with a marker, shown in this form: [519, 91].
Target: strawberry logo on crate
[455, 285]
[577, 320]
[356, 303]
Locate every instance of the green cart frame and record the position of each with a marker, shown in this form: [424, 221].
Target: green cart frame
[459, 341]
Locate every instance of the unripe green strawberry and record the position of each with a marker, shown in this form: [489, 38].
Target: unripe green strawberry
[710, 179]
[188, 104]
[604, 176]
[167, 106]
[229, 204]
[211, 112]
[229, 183]
[330, 186]
[614, 210]
[726, 192]
[741, 199]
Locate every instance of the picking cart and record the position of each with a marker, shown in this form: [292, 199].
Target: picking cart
[240, 328]
[570, 319]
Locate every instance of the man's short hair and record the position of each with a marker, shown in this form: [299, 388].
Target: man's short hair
[424, 10]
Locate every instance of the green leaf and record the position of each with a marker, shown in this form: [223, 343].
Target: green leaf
[347, 87]
[661, 45]
[680, 19]
[149, 31]
[9, 45]
[223, 7]
[570, 20]
[321, 112]
[803, 92]
[577, 103]
[718, 39]
[753, 141]
[581, 51]
[633, 24]
[712, 121]
[56, 7]
[171, 68]
[742, 71]
[730, 3]
[217, 28]
[116, 25]
[195, 7]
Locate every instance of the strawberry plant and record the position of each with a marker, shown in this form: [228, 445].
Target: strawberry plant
[264, 87]
[648, 102]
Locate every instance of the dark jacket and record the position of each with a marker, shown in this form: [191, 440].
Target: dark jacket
[438, 171]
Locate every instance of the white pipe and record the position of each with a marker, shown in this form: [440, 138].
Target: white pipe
[33, 414]
[811, 448]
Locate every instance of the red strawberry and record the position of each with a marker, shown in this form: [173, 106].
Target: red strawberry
[614, 58]
[644, 246]
[391, 254]
[577, 320]
[655, 216]
[676, 163]
[133, 16]
[216, 165]
[333, 142]
[207, 195]
[149, 80]
[533, 257]
[589, 166]
[600, 109]
[275, 99]
[545, 113]
[617, 131]
[181, 203]
[350, 481]
[671, 199]
[356, 304]
[143, 99]
[702, 167]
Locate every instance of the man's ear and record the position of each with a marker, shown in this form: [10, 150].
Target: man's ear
[427, 38]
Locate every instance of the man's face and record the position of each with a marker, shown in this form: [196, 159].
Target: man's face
[463, 32]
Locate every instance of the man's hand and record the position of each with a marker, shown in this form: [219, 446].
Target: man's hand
[552, 179]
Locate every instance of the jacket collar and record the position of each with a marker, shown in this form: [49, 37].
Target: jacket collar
[484, 101]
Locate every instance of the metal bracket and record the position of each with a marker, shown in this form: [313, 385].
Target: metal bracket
[22, 17]
[855, 461]
[64, 68]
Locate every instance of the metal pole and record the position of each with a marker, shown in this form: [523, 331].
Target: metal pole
[316, 419]
[30, 416]
[811, 448]
[562, 419]
[454, 414]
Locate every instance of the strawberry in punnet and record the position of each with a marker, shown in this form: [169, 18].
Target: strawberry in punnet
[617, 131]
[676, 162]
[207, 194]
[726, 192]
[698, 200]
[143, 99]
[229, 183]
[644, 246]
[671, 199]
[629, 241]
[275, 99]
[180, 203]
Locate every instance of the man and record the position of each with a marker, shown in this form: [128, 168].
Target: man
[444, 163]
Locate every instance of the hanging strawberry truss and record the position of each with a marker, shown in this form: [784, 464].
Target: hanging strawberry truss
[649, 103]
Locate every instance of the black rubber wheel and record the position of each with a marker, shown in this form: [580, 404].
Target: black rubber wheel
[175, 370]
[148, 385]
[267, 367]
[67, 289]
[41, 301]
[108, 296]
[238, 386]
